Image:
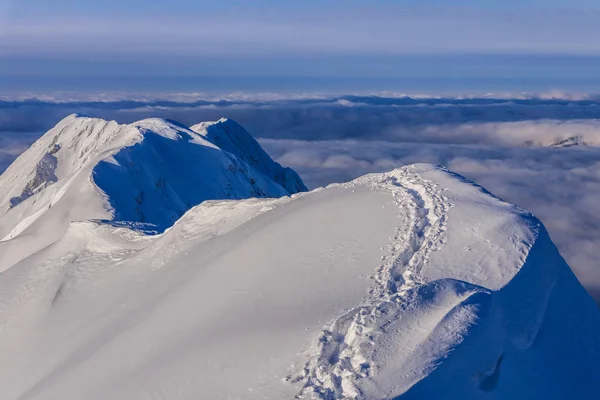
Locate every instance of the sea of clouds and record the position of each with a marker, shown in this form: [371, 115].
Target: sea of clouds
[516, 146]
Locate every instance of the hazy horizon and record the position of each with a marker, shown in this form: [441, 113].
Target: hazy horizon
[330, 45]
[431, 74]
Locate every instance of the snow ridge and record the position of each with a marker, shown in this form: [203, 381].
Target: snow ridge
[150, 172]
[346, 350]
[232, 137]
[430, 314]
[571, 141]
[239, 169]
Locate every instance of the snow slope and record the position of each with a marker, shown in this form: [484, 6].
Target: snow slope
[151, 171]
[232, 137]
[414, 284]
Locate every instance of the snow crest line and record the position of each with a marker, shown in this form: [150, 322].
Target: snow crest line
[342, 354]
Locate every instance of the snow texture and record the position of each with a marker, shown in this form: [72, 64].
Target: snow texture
[412, 284]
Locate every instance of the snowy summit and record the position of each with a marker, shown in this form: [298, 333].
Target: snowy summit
[149, 172]
[153, 261]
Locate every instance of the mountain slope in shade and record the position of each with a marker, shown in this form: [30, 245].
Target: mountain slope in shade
[151, 172]
[413, 284]
[232, 137]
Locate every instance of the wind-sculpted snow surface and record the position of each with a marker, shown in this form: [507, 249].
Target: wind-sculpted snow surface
[413, 284]
[151, 171]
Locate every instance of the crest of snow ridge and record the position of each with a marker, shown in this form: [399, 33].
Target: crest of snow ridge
[150, 171]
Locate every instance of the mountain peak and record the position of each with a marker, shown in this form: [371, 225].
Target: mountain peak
[230, 136]
[571, 141]
[151, 171]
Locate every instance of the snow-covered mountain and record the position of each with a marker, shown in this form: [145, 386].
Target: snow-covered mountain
[151, 172]
[569, 142]
[232, 137]
[413, 284]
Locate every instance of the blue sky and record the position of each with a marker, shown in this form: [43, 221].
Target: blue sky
[78, 6]
[308, 38]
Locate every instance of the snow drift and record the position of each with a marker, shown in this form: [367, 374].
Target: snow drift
[413, 284]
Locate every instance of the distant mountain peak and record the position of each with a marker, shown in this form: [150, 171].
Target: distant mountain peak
[576, 140]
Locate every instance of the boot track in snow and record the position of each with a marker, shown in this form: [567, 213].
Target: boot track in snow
[339, 361]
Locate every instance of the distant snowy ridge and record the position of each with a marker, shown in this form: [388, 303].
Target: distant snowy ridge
[412, 284]
[569, 142]
[151, 171]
